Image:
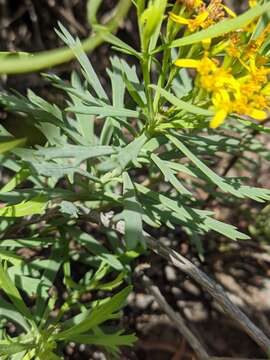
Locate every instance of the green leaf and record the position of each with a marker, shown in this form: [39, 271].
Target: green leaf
[118, 85]
[86, 122]
[182, 83]
[131, 76]
[98, 315]
[34, 206]
[9, 288]
[104, 111]
[182, 105]
[205, 169]
[169, 175]
[30, 355]
[223, 27]
[110, 342]
[150, 21]
[26, 242]
[59, 170]
[22, 175]
[261, 25]
[11, 257]
[227, 230]
[12, 347]
[11, 144]
[109, 286]
[80, 153]
[226, 185]
[131, 151]
[132, 215]
[7, 311]
[68, 208]
[95, 247]
[89, 73]
[134, 93]
[169, 211]
[26, 283]
[118, 43]
[52, 267]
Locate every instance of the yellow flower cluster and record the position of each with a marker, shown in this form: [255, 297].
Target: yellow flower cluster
[205, 15]
[245, 95]
[237, 84]
[193, 24]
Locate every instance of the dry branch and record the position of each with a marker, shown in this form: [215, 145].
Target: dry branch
[186, 266]
[176, 319]
[214, 289]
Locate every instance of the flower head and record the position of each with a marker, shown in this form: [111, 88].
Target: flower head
[203, 15]
[229, 93]
[194, 23]
[253, 3]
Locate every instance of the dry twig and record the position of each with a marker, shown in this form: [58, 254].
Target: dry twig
[186, 266]
[176, 318]
[214, 289]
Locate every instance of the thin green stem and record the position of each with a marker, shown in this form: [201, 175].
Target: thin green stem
[146, 69]
[46, 59]
[171, 32]
[162, 77]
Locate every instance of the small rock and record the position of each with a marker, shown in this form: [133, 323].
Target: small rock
[194, 310]
[170, 273]
[99, 356]
[176, 291]
[143, 300]
[191, 288]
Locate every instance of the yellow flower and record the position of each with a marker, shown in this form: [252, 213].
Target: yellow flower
[187, 63]
[254, 46]
[193, 24]
[204, 66]
[266, 90]
[252, 3]
[247, 95]
[229, 11]
[259, 75]
[218, 118]
[213, 77]
[205, 17]
[222, 103]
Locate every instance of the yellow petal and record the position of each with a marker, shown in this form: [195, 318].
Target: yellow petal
[179, 19]
[187, 63]
[258, 114]
[206, 43]
[202, 17]
[198, 3]
[266, 90]
[229, 11]
[218, 119]
[252, 3]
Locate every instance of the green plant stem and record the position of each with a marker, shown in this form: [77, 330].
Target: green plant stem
[55, 57]
[162, 77]
[140, 8]
[146, 68]
[170, 35]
